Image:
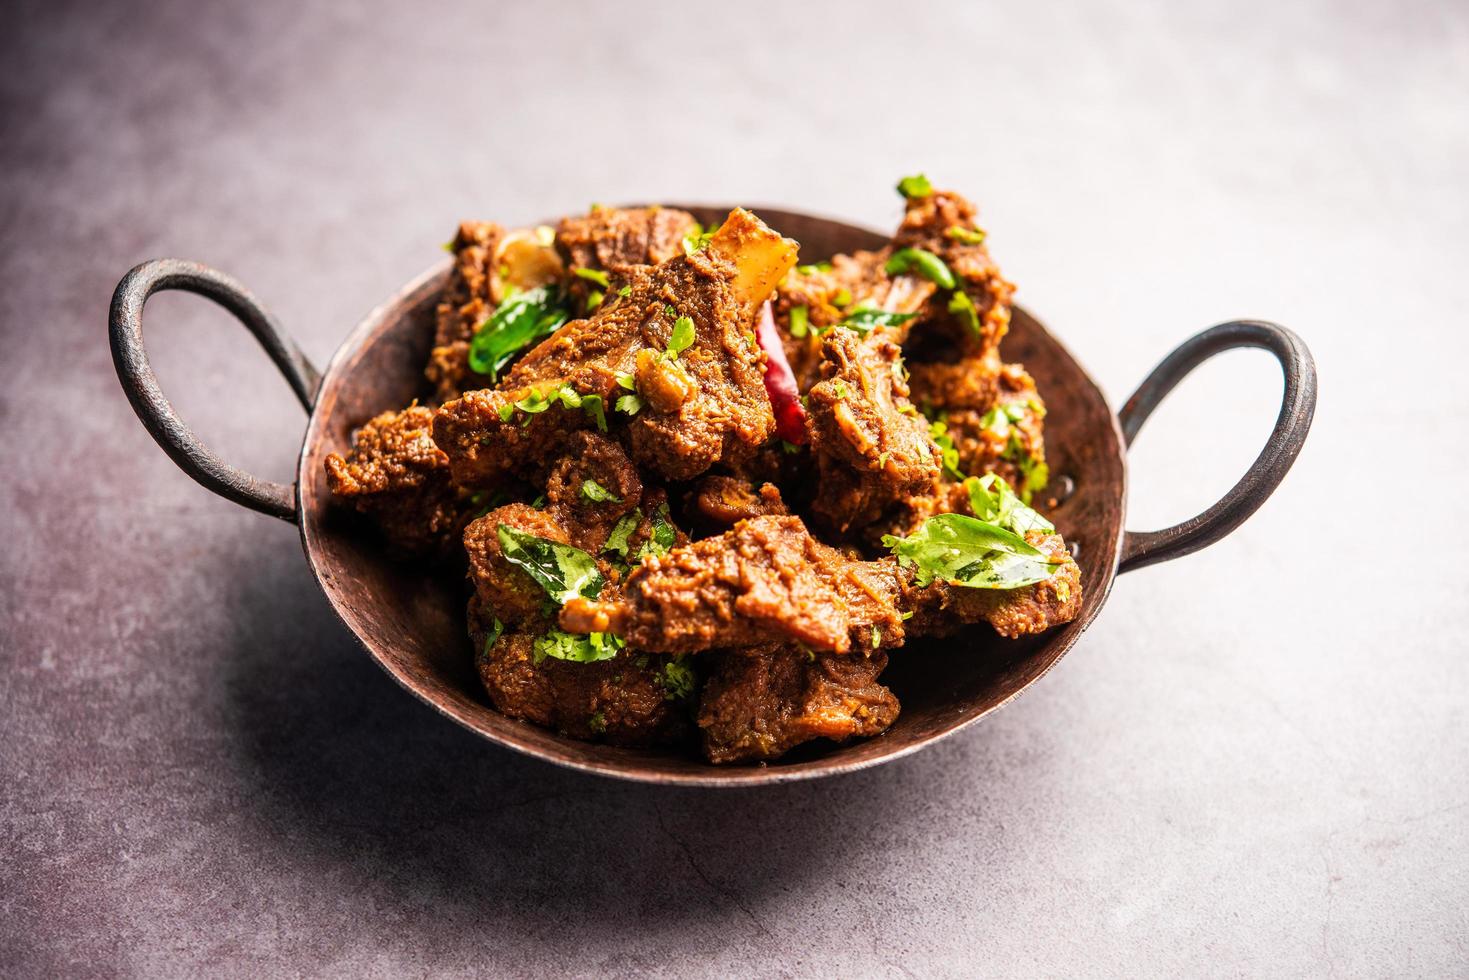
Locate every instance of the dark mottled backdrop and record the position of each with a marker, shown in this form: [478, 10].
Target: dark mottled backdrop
[1254, 763]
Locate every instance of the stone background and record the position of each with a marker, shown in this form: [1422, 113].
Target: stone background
[1253, 764]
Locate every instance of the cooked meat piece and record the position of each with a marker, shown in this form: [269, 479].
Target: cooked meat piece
[505, 592]
[727, 500]
[617, 239]
[993, 416]
[591, 488]
[872, 449]
[762, 702]
[943, 223]
[397, 476]
[625, 701]
[466, 303]
[766, 579]
[940, 609]
[828, 295]
[703, 407]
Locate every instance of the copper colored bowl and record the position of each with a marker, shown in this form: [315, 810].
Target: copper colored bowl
[412, 622]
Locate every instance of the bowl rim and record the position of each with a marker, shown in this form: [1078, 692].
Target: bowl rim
[727, 777]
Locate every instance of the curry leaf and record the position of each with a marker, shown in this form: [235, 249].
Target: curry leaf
[598, 494]
[682, 337]
[965, 551]
[563, 571]
[994, 502]
[515, 324]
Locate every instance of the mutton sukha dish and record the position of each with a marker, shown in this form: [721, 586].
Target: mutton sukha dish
[706, 487]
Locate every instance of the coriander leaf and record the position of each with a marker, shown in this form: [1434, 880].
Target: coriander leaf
[627, 381]
[678, 680]
[923, 262]
[939, 433]
[915, 186]
[664, 535]
[962, 306]
[681, 339]
[800, 321]
[864, 318]
[625, 292]
[575, 647]
[598, 494]
[965, 551]
[591, 275]
[698, 239]
[597, 723]
[493, 635]
[596, 408]
[994, 502]
[594, 299]
[813, 268]
[617, 542]
[969, 236]
[563, 571]
[629, 405]
[842, 297]
[521, 319]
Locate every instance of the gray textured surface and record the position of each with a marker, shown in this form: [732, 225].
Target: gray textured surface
[1254, 763]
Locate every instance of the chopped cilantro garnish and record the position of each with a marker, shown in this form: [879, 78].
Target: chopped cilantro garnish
[629, 404]
[664, 535]
[678, 680]
[494, 634]
[992, 500]
[594, 299]
[915, 186]
[681, 339]
[698, 239]
[598, 494]
[617, 541]
[963, 307]
[583, 648]
[597, 723]
[789, 448]
[813, 268]
[840, 387]
[625, 292]
[938, 431]
[842, 297]
[864, 318]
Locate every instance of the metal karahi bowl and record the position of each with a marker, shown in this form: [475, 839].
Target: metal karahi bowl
[411, 621]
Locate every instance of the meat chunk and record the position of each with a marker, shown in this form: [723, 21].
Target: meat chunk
[504, 591]
[715, 409]
[465, 304]
[398, 477]
[760, 703]
[627, 700]
[591, 488]
[872, 449]
[766, 579]
[618, 239]
[994, 416]
[726, 500]
[942, 222]
[939, 609]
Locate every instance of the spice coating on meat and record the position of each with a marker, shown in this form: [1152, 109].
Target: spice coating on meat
[622, 701]
[940, 608]
[760, 703]
[765, 579]
[656, 391]
[398, 477]
[872, 449]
